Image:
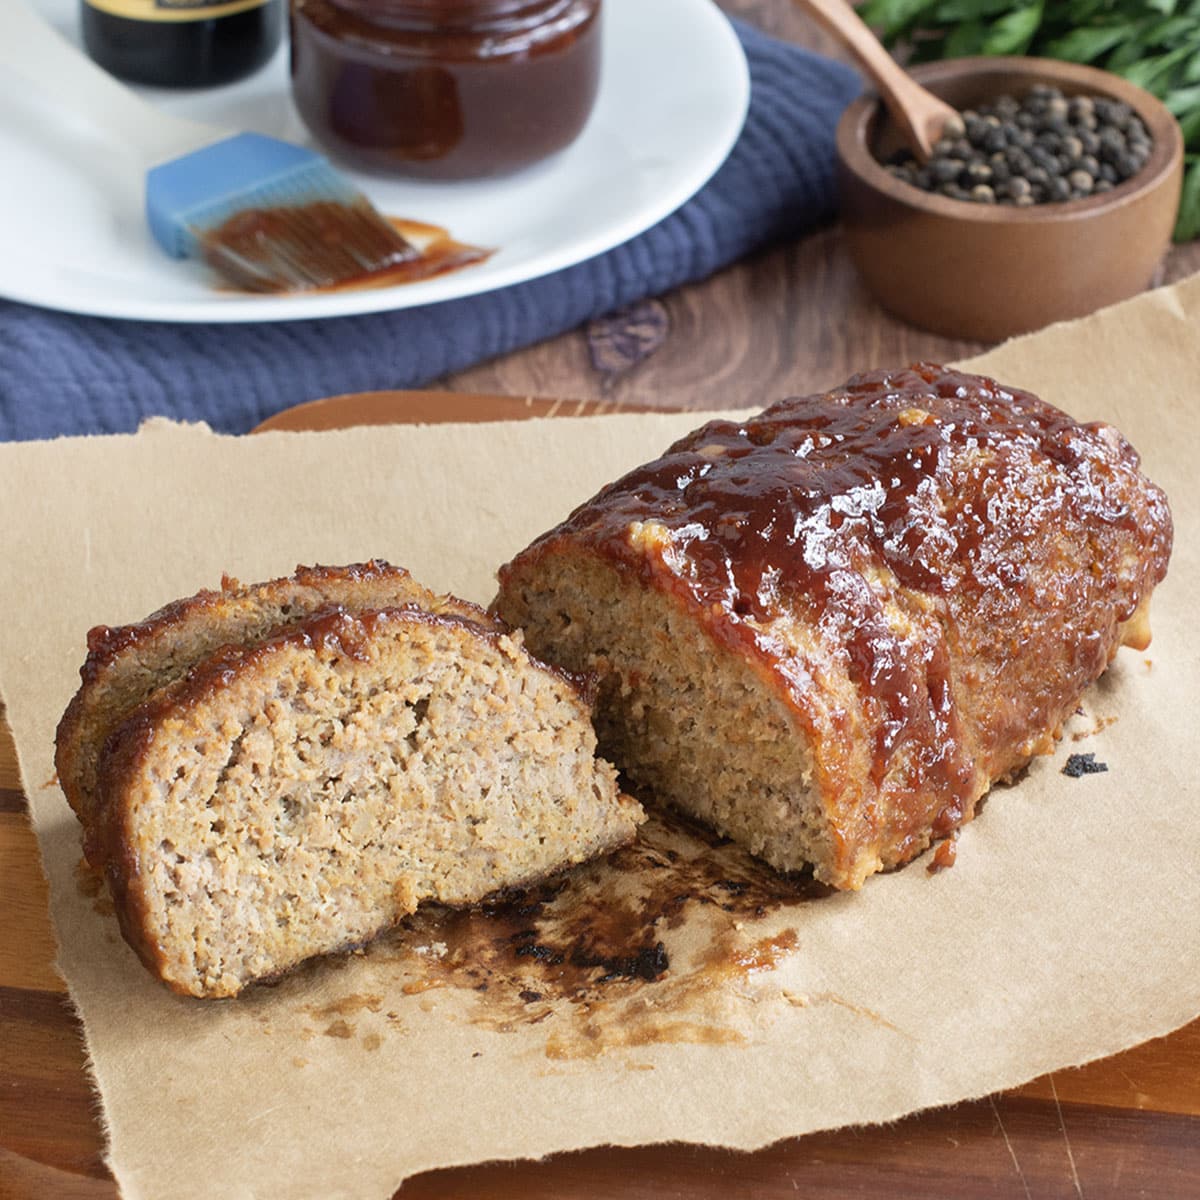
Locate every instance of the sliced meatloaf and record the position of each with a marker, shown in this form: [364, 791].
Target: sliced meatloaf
[126, 664]
[827, 630]
[297, 795]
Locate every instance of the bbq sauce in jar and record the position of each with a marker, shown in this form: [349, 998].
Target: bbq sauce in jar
[181, 43]
[445, 89]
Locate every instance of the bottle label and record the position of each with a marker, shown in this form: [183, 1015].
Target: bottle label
[173, 10]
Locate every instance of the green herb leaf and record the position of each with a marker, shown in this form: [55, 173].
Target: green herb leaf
[1174, 31]
[1086, 45]
[893, 16]
[1189, 126]
[1151, 73]
[1182, 99]
[1013, 33]
[1080, 12]
[965, 10]
[1130, 51]
[1187, 226]
[966, 40]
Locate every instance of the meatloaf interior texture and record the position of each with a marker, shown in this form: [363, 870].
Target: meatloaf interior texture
[125, 665]
[299, 793]
[827, 630]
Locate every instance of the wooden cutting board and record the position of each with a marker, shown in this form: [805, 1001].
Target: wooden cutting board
[1126, 1126]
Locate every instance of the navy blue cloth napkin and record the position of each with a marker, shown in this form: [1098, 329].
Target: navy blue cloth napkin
[65, 374]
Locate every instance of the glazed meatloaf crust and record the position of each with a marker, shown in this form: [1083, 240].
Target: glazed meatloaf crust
[297, 795]
[826, 631]
[125, 665]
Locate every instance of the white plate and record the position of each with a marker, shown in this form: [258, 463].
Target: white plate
[673, 95]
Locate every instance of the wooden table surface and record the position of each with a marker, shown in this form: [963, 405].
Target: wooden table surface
[793, 318]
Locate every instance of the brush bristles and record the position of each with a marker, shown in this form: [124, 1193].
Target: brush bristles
[301, 247]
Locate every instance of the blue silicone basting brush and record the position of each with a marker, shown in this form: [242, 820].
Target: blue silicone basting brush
[268, 215]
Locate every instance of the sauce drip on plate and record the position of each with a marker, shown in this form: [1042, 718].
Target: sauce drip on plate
[330, 246]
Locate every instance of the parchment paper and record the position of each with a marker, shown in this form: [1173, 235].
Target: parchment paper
[1066, 931]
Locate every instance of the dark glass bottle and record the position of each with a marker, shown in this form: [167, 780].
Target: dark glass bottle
[181, 43]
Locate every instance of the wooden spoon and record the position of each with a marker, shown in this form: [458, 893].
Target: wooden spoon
[919, 115]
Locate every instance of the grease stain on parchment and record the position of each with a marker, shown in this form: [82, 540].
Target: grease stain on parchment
[652, 945]
[331, 1017]
[802, 1000]
[347, 1006]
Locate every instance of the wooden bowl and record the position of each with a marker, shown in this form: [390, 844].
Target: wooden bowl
[987, 271]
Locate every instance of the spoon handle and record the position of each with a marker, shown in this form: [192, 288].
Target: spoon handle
[919, 114]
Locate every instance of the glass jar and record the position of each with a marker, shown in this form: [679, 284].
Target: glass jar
[181, 43]
[445, 89]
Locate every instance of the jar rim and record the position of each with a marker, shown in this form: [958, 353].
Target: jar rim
[451, 16]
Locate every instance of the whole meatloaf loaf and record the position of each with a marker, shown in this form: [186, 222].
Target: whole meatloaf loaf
[827, 630]
[298, 793]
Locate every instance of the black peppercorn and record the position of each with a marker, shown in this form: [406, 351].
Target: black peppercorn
[1043, 158]
[1127, 165]
[1111, 145]
[945, 170]
[1043, 147]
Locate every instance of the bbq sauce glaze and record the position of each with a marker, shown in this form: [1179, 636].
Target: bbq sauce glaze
[330, 246]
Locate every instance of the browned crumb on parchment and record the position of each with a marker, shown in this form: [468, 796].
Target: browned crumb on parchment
[90, 883]
[1099, 725]
[944, 855]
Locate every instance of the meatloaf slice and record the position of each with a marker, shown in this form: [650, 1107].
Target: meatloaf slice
[125, 665]
[300, 795]
[826, 631]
